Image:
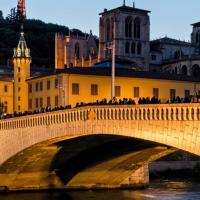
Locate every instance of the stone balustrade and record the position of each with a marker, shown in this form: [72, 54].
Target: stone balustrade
[166, 112]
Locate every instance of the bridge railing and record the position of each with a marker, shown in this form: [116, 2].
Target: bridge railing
[168, 112]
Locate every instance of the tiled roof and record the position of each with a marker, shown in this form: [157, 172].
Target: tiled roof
[167, 40]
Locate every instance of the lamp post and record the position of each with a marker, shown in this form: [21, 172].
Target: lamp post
[113, 61]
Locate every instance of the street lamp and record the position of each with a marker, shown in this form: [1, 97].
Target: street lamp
[112, 46]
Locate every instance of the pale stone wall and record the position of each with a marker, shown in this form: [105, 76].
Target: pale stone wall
[175, 125]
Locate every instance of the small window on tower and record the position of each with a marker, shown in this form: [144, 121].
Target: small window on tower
[5, 88]
[19, 69]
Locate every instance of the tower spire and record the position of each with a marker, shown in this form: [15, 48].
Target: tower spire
[21, 10]
[124, 4]
[22, 50]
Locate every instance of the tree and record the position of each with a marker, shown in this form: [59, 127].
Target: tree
[1, 16]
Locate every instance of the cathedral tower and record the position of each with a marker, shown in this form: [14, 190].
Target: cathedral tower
[129, 28]
[21, 61]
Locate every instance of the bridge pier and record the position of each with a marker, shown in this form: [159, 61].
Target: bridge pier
[139, 178]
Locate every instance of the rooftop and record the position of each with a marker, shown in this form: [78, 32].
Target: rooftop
[196, 24]
[129, 73]
[125, 8]
[167, 40]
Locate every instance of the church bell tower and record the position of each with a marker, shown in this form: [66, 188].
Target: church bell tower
[21, 62]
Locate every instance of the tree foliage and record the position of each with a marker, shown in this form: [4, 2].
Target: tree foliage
[40, 38]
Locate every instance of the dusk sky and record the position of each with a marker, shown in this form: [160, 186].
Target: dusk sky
[168, 17]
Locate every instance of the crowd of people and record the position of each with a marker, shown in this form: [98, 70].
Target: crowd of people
[114, 101]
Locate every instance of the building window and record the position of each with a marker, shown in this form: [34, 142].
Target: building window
[117, 91]
[41, 86]
[48, 84]
[137, 28]
[108, 29]
[127, 47]
[19, 89]
[153, 57]
[36, 103]
[19, 69]
[77, 51]
[156, 93]
[56, 100]
[56, 83]
[5, 88]
[48, 101]
[19, 80]
[139, 48]
[37, 87]
[75, 88]
[172, 94]
[30, 89]
[5, 107]
[133, 48]
[19, 98]
[187, 93]
[41, 102]
[94, 89]
[30, 103]
[136, 91]
[128, 27]
[19, 108]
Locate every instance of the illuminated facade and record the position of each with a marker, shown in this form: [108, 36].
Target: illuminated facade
[75, 50]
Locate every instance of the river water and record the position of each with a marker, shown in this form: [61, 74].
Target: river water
[158, 190]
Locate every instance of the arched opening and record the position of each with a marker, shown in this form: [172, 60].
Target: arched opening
[178, 54]
[139, 48]
[184, 70]
[133, 48]
[108, 29]
[128, 27]
[77, 50]
[127, 47]
[196, 70]
[137, 28]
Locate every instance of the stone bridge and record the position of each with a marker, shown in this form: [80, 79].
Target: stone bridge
[38, 151]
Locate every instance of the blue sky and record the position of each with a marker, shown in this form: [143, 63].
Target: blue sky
[168, 17]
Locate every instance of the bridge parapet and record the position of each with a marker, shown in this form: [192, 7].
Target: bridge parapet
[164, 112]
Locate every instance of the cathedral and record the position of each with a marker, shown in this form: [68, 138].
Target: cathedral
[128, 28]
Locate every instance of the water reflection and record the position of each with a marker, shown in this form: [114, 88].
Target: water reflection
[159, 190]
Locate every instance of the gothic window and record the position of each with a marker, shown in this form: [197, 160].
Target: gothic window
[139, 48]
[77, 51]
[196, 70]
[127, 47]
[108, 29]
[197, 38]
[184, 70]
[137, 28]
[178, 54]
[112, 28]
[128, 27]
[133, 48]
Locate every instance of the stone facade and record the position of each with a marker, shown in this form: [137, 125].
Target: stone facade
[75, 51]
[129, 29]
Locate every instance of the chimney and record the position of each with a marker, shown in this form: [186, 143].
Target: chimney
[134, 4]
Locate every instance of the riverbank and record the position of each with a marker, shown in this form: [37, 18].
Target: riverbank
[186, 170]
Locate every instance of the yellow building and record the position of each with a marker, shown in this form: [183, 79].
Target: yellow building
[73, 85]
[6, 94]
